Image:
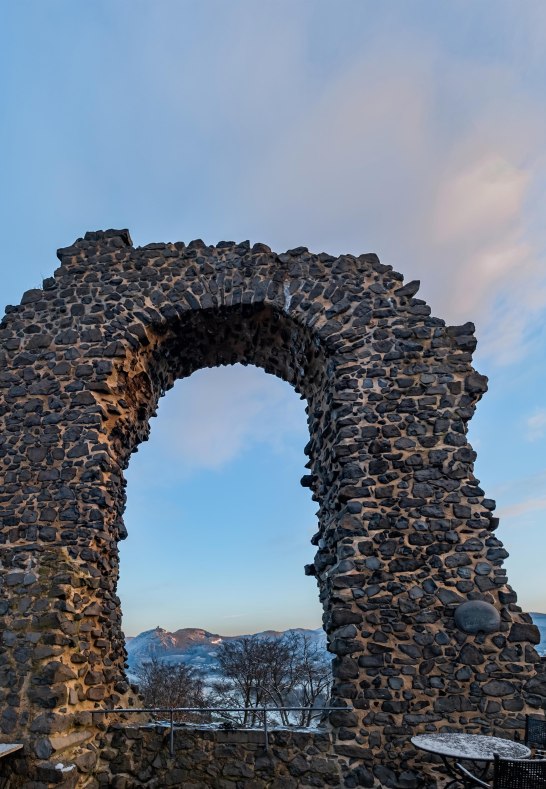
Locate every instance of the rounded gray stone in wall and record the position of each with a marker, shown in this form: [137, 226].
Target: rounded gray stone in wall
[477, 616]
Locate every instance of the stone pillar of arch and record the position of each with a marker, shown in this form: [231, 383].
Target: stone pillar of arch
[423, 628]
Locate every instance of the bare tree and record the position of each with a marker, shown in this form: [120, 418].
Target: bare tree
[290, 671]
[244, 664]
[314, 678]
[178, 685]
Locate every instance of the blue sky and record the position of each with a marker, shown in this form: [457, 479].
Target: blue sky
[414, 129]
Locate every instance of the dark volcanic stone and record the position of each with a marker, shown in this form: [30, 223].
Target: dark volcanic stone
[471, 655]
[498, 688]
[524, 632]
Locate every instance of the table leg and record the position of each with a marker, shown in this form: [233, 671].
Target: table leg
[452, 773]
[478, 773]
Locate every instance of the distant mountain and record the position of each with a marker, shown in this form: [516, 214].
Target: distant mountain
[183, 644]
[193, 646]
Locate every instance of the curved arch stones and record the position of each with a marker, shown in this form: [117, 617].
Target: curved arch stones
[405, 533]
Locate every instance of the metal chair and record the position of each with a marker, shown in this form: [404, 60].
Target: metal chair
[510, 774]
[535, 734]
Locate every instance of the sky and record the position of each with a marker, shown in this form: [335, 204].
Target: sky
[413, 129]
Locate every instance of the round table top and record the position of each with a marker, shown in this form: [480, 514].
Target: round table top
[476, 747]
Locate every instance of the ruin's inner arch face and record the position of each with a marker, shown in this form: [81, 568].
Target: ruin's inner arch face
[405, 537]
[255, 334]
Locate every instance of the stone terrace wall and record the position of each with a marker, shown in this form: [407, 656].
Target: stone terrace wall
[130, 756]
[216, 759]
[405, 533]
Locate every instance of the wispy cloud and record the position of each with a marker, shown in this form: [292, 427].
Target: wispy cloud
[536, 425]
[398, 155]
[522, 495]
[217, 415]
[523, 507]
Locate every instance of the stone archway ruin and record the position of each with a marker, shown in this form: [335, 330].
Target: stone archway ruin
[405, 536]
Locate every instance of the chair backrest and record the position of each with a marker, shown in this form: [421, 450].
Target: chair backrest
[519, 774]
[535, 731]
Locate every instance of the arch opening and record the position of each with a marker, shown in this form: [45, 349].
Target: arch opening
[219, 532]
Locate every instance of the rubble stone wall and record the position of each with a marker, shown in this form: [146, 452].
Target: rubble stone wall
[405, 533]
[217, 759]
[127, 756]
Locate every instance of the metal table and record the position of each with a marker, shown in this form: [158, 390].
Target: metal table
[478, 749]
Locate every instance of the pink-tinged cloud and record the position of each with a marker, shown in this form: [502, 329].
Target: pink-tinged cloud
[522, 507]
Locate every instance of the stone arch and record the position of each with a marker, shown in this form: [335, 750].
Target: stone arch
[405, 536]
